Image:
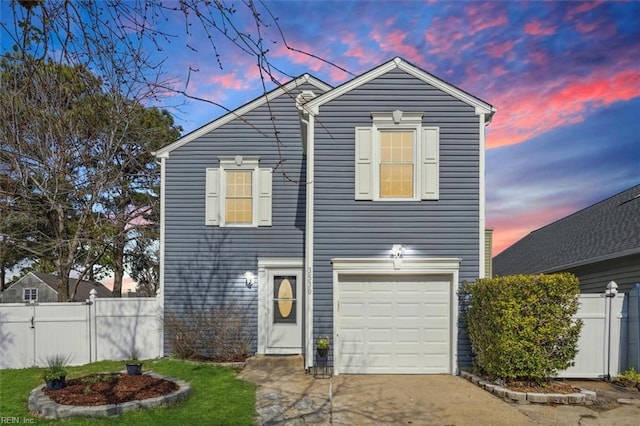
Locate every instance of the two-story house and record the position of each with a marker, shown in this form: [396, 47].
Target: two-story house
[352, 212]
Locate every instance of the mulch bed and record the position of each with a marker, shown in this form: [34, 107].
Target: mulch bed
[553, 386]
[101, 389]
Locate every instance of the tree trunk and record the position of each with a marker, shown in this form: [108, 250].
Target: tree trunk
[118, 265]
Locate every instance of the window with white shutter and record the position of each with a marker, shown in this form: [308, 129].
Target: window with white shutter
[397, 159]
[238, 193]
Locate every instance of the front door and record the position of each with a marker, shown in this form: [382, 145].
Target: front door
[284, 315]
[281, 307]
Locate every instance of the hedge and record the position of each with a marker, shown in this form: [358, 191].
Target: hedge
[521, 327]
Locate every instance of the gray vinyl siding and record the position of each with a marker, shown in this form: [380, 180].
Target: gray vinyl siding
[205, 265]
[13, 294]
[625, 271]
[345, 227]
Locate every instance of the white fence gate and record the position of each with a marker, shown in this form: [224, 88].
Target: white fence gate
[103, 329]
[597, 355]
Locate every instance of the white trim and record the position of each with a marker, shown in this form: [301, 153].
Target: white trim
[481, 106]
[308, 255]
[409, 266]
[481, 195]
[160, 294]
[232, 115]
[239, 163]
[265, 265]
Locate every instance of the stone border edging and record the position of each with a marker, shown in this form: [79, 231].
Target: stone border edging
[42, 406]
[584, 397]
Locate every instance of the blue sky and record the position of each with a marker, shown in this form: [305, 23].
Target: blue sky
[564, 76]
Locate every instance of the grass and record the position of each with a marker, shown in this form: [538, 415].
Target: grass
[217, 396]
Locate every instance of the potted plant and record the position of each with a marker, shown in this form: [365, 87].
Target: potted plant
[322, 347]
[55, 375]
[134, 365]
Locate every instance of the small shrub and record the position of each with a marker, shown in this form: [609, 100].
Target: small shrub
[629, 378]
[219, 333]
[521, 327]
[55, 367]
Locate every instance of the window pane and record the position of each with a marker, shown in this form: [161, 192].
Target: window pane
[284, 299]
[396, 181]
[396, 164]
[239, 201]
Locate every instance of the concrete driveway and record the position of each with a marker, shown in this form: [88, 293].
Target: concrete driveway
[288, 396]
[427, 400]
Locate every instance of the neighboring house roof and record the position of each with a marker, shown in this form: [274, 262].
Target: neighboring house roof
[480, 105]
[84, 287]
[603, 231]
[263, 99]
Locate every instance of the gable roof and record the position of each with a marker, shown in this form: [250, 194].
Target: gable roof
[605, 230]
[84, 287]
[480, 105]
[259, 101]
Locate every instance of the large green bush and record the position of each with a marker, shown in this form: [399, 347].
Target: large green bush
[521, 326]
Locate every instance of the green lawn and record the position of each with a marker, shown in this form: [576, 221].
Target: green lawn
[217, 397]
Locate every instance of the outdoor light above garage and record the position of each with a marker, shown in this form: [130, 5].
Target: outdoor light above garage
[397, 250]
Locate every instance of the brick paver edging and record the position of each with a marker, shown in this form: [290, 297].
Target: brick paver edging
[584, 397]
[41, 405]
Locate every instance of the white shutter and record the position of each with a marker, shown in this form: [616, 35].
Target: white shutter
[212, 201]
[364, 164]
[264, 197]
[430, 163]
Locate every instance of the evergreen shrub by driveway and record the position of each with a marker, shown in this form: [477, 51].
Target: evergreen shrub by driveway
[521, 326]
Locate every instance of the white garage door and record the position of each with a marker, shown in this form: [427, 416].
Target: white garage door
[394, 324]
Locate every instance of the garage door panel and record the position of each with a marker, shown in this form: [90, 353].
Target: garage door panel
[394, 325]
[408, 335]
[353, 310]
[409, 310]
[380, 310]
[431, 335]
[380, 335]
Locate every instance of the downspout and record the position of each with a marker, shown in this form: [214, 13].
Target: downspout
[481, 196]
[308, 255]
[160, 293]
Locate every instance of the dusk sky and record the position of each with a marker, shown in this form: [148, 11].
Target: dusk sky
[564, 76]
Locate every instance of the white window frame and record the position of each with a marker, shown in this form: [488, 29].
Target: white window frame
[29, 289]
[426, 156]
[388, 122]
[216, 188]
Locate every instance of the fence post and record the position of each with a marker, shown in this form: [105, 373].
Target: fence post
[93, 332]
[609, 294]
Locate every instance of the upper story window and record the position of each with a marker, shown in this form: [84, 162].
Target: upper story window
[397, 158]
[238, 193]
[29, 294]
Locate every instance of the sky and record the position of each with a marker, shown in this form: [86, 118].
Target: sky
[564, 77]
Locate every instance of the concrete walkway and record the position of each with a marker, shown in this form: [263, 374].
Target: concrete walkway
[288, 396]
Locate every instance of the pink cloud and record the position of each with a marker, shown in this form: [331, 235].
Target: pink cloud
[535, 28]
[508, 230]
[582, 8]
[498, 50]
[229, 81]
[583, 27]
[485, 16]
[527, 111]
[395, 42]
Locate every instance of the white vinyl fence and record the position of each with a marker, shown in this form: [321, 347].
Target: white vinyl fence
[100, 329]
[595, 350]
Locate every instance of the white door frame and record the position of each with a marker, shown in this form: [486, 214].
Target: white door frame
[266, 267]
[409, 266]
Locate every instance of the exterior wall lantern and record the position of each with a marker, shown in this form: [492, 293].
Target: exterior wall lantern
[397, 250]
[249, 279]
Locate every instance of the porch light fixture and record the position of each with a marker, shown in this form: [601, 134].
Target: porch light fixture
[249, 278]
[397, 251]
